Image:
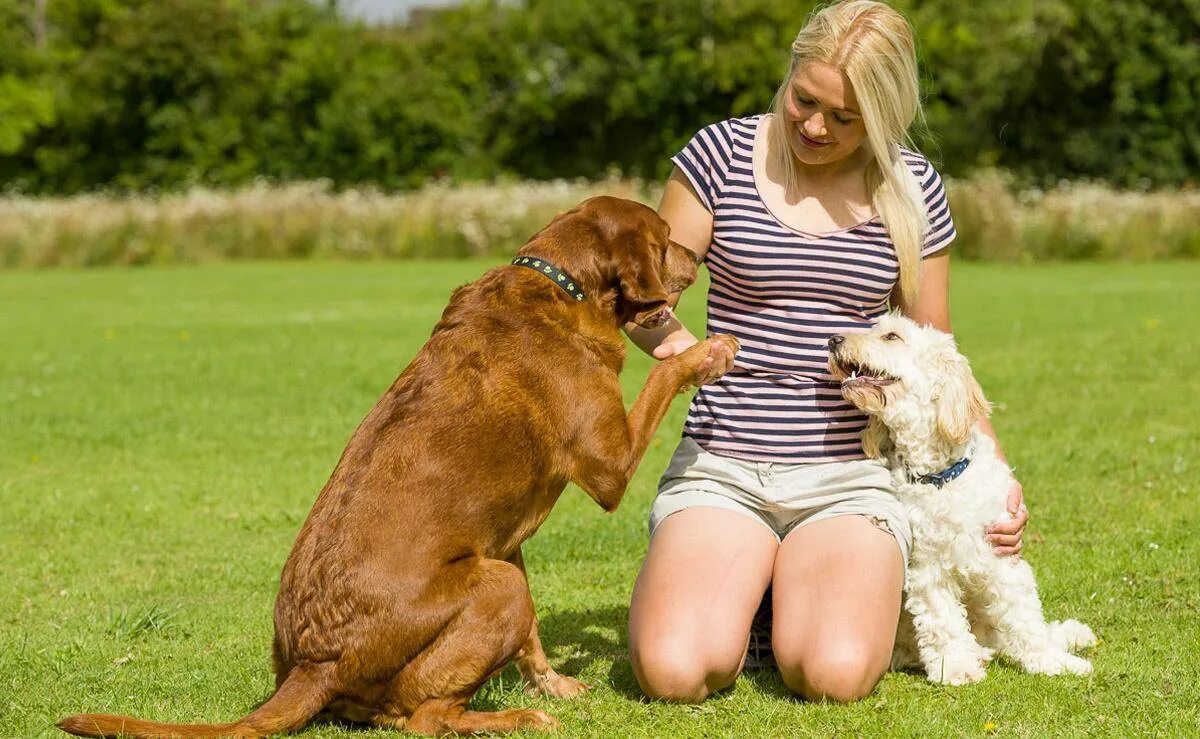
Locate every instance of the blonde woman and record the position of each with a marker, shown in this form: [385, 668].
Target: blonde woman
[813, 220]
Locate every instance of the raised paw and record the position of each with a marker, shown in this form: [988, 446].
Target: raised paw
[556, 686]
[1072, 635]
[708, 360]
[957, 669]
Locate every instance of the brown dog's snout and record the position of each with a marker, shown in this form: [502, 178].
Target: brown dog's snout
[835, 341]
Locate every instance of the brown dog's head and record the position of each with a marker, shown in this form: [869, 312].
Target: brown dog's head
[619, 251]
[911, 380]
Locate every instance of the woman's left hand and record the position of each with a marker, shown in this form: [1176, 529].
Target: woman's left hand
[1006, 537]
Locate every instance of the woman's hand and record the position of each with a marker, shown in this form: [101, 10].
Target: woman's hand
[671, 347]
[1006, 537]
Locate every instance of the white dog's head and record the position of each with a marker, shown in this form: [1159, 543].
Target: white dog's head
[911, 380]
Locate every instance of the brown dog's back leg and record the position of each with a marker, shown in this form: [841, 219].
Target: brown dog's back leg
[433, 689]
[540, 677]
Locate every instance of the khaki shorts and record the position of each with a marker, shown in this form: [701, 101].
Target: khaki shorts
[781, 496]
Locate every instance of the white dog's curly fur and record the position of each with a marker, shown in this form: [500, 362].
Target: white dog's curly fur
[963, 603]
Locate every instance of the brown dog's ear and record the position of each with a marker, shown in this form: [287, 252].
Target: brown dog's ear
[641, 286]
[876, 440]
[960, 403]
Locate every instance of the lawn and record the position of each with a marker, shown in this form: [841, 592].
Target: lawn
[164, 431]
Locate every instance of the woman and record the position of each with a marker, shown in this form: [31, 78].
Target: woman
[813, 220]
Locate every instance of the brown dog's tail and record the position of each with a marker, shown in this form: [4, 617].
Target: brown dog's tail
[307, 689]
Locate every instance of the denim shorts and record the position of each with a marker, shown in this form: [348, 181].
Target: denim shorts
[781, 497]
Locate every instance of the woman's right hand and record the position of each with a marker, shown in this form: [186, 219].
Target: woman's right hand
[671, 347]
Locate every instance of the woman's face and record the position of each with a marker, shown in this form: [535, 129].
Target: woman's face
[824, 124]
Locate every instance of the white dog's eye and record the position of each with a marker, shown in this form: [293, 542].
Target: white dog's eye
[891, 336]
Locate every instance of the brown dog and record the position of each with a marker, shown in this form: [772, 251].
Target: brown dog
[405, 590]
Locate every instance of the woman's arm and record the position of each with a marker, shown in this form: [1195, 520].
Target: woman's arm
[932, 307]
[691, 226]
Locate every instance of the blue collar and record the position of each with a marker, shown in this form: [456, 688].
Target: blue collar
[938, 479]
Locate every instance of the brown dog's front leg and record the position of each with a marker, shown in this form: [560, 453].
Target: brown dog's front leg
[617, 450]
[540, 677]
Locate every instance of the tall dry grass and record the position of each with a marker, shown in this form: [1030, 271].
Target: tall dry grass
[299, 220]
[995, 219]
[1076, 220]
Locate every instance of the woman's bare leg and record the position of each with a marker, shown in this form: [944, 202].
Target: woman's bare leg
[694, 599]
[837, 590]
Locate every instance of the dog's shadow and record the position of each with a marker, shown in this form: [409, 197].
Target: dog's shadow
[580, 642]
[589, 644]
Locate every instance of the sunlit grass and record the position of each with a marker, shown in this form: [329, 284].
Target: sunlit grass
[163, 433]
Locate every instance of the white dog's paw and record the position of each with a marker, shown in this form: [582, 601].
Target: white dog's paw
[1055, 663]
[985, 654]
[957, 668]
[1071, 635]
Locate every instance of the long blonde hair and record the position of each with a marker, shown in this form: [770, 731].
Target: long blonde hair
[872, 44]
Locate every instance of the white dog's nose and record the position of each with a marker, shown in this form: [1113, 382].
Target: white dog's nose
[835, 341]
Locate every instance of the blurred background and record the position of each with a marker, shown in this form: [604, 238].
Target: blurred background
[140, 131]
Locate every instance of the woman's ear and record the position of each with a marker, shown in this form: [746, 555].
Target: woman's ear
[959, 402]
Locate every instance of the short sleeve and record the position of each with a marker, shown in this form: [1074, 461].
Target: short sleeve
[704, 160]
[941, 226]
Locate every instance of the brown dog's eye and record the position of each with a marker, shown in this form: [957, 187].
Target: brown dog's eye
[891, 336]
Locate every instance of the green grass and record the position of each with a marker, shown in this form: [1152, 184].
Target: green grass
[163, 433]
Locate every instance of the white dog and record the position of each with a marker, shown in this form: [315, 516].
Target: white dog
[963, 603]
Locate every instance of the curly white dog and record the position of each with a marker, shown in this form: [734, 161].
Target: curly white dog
[963, 603]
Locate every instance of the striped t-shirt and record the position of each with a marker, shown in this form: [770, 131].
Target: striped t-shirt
[783, 294]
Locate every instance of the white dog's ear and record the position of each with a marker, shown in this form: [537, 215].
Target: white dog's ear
[876, 440]
[960, 402]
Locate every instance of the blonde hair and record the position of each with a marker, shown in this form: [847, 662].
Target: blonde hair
[872, 44]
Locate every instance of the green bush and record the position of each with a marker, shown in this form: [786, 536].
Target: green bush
[143, 94]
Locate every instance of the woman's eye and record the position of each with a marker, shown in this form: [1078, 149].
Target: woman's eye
[892, 336]
[841, 120]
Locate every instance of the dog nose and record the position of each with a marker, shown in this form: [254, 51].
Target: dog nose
[835, 341]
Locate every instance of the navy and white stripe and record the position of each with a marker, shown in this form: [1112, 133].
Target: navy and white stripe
[783, 293]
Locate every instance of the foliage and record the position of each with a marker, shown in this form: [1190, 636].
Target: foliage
[1055, 89]
[140, 94]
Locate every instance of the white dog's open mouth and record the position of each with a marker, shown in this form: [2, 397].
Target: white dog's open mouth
[858, 376]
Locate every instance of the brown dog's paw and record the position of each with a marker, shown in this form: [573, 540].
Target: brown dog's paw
[537, 720]
[708, 360]
[731, 343]
[556, 686]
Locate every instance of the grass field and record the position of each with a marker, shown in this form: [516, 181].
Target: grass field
[163, 433]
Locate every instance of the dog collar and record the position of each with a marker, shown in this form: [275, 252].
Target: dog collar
[938, 479]
[556, 275]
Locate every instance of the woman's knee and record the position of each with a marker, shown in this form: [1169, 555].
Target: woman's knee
[673, 673]
[841, 672]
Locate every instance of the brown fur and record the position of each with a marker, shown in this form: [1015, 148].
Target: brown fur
[405, 589]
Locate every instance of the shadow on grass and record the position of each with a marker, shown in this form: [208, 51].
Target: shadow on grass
[597, 636]
[581, 643]
[589, 638]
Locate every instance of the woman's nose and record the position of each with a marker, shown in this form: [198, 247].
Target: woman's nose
[815, 125]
